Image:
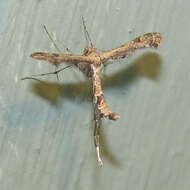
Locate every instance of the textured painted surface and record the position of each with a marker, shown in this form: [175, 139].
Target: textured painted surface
[46, 129]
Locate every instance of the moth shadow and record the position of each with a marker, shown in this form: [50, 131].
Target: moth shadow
[106, 151]
[53, 92]
[148, 65]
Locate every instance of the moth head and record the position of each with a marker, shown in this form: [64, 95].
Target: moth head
[88, 50]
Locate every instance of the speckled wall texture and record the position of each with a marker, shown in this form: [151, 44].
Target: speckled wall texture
[46, 129]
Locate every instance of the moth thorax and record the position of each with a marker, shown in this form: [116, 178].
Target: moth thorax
[88, 50]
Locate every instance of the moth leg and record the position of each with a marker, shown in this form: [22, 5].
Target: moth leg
[50, 35]
[43, 74]
[53, 41]
[53, 73]
[104, 68]
[87, 36]
[97, 138]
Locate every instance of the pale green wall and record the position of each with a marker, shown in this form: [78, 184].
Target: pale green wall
[46, 130]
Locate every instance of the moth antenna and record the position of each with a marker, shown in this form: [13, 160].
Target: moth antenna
[87, 36]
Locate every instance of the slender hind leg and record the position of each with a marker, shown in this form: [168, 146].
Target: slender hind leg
[98, 122]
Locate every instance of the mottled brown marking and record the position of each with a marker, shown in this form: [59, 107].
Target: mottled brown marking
[149, 40]
[100, 99]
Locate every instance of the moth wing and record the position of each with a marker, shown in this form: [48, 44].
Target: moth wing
[149, 40]
[56, 58]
